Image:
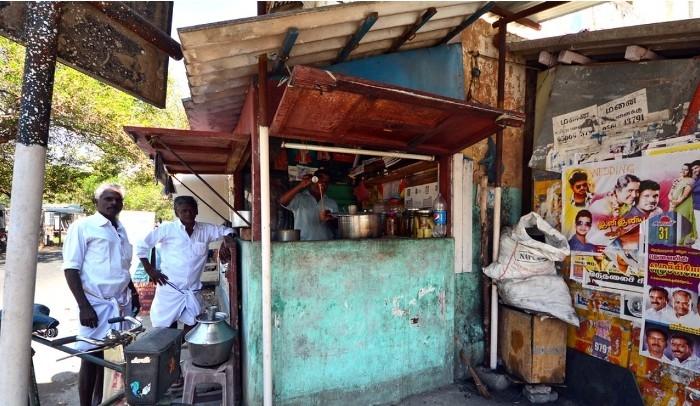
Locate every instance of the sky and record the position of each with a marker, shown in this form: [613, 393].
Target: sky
[187, 13]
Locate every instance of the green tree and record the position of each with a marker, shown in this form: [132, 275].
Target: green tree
[87, 144]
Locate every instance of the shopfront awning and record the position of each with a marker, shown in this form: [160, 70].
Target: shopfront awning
[221, 58]
[205, 152]
[327, 107]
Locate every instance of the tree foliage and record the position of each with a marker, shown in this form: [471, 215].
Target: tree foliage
[87, 144]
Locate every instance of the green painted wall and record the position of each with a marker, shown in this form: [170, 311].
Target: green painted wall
[354, 322]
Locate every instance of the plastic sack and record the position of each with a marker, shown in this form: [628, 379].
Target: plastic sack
[543, 293]
[521, 256]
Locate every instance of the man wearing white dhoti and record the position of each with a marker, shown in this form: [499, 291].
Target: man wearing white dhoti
[96, 260]
[183, 245]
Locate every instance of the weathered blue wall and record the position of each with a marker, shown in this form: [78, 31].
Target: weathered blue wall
[436, 70]
[354, 322]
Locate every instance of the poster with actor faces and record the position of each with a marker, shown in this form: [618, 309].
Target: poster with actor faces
[671, 331]
[612, 209]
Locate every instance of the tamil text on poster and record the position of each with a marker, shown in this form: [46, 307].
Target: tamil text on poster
[671, 331]
[608, 205]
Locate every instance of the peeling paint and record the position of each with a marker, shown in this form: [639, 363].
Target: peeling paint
[396, 309]
[424, 291]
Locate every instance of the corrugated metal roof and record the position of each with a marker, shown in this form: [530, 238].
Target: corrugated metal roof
[221, 58]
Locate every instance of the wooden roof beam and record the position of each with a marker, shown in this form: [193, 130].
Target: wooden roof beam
[287, 44]
[547, 59]
[569, 57]
[637, 53]
[501, 12]
[411, 32]
[367, 23]
[528, 12]
[467, 22]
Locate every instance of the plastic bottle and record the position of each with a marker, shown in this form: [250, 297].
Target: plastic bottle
[440, 216]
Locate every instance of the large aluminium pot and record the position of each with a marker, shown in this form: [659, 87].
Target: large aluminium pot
[365, 225]
[210, 341]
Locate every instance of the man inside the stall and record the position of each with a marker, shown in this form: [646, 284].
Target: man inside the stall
[183, 247]
[311, 207]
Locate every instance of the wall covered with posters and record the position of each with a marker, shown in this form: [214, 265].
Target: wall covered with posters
[614, 175]
[618, 110]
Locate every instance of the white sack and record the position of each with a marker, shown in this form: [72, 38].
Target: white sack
[520, 256]
[543, 293]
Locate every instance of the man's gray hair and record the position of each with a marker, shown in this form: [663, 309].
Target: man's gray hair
[114, 187]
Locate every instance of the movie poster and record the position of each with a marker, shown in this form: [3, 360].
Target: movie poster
[671, 321]
[606, 209]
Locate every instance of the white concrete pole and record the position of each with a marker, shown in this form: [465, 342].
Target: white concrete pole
[41, 28]
[266, 264]
[493, 351]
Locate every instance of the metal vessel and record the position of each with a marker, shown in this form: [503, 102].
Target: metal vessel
[287, 235]
[210, 341]
[366, 225]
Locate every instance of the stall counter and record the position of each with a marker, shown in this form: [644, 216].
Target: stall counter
[354, 321]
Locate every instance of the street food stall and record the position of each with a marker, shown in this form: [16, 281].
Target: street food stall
[343, 320]
[347, 314]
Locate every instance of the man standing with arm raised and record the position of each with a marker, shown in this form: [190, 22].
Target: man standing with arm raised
[96, 261]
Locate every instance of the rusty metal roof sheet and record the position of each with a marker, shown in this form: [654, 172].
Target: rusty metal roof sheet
[221, 58]
[206, 152]
[323, 106]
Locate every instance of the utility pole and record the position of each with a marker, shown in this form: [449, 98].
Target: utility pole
[41, 38]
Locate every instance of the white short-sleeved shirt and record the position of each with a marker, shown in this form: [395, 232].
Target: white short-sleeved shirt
[182, 257]
[659, 315]
[690, 320]
[306, 211]
[692, 363]
[102, 255]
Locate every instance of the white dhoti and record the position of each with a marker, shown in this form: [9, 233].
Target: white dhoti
[170, 306]
[105, 308]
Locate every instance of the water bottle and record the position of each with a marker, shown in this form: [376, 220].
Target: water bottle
[439, 216]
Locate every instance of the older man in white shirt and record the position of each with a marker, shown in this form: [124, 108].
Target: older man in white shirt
[683, 310]
[183, 245]
[96, 260]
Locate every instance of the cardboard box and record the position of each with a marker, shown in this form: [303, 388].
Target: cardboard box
[532, 348]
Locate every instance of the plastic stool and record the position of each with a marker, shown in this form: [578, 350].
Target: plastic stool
[222, 375]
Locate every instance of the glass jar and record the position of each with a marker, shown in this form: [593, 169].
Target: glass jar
[410, 223]
[425, 224]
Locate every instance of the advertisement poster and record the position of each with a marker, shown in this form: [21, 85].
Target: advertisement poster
[671, 320]
[547, 201]
[606, 209]
[625, 305]
[618, 128]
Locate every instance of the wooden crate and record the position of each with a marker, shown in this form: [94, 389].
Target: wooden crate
[532, 348]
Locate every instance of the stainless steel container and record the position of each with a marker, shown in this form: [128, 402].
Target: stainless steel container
[287, 235]
[366, 225]
[210, 341]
